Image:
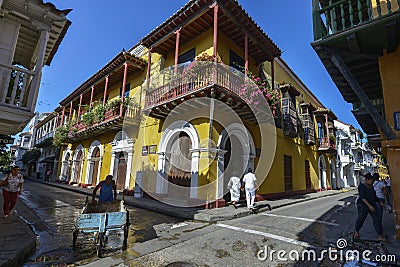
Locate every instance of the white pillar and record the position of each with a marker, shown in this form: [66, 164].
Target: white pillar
[162, 182]
[128, 170]
[194, 181]
[33, 94]
[112, 164]
[221, 170]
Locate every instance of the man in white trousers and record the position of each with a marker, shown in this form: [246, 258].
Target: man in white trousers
[250, 185]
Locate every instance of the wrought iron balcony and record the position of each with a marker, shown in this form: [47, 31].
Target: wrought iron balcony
[331, 17]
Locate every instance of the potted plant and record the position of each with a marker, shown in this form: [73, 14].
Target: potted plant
[114, 104]
[98, 113]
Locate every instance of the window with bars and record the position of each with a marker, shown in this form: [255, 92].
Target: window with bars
[287, 168]
[307, 174]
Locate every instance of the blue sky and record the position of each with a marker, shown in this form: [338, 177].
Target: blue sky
[100, 29]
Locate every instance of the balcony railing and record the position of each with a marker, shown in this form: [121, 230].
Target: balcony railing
[112, 120]
[345, 14]
[15, 85]
[326, 144]
[185, 82]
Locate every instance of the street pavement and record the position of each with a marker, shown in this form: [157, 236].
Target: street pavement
[21, 244]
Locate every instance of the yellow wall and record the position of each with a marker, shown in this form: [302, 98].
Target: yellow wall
[389, 69]
[150, 130]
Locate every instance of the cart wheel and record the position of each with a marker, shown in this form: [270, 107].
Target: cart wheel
[74, 237]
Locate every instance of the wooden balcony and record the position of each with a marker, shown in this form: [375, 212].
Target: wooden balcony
[17, 100]
[215, 81]
[113, 121]
[342, 15]
[326, 145]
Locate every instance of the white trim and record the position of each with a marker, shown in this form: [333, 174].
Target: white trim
[248, 148]
[322, 180]
[66, 165]
[169, 133]
[89, 167]
[74, 161]
[122, 143]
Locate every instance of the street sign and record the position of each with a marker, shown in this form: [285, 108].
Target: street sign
[6, 139]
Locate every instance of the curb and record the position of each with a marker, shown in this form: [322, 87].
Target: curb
[244, 213]
[198, 214]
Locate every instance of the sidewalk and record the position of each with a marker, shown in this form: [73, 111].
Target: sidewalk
[17, 241]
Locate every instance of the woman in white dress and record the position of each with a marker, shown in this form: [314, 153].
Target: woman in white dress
[234, 186]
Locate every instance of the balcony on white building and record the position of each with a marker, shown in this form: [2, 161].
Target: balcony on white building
[30, 34]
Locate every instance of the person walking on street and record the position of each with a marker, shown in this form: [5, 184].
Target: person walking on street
[250, 186]
[12, 188]
[389, 192]
[107, 187]
[234, 186]
[366, 205]
[380, 190]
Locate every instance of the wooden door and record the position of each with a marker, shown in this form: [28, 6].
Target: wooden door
[78, 167]
[121, 175]
[95, 171]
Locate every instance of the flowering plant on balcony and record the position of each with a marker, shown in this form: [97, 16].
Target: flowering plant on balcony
[201, 65]
[62, 133]
[254, 88]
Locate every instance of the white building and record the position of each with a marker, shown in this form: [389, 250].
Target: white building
[48, 162]
[354, 156]
[30, 34]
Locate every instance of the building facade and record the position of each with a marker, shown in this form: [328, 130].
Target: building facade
[355, 156]
[30, 34]
[47, 163]
[179, 113]
[358, 43]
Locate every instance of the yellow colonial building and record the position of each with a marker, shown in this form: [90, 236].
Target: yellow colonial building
[201, 98]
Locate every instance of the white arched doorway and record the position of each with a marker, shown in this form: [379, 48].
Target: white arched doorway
[121, 160]
[182, 139]
[66, 165]
[322, 172]
[77, 167]
[236, 154]
[95, 156]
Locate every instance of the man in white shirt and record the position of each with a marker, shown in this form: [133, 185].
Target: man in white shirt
[250, 185]
[380, 190]
[389, 192]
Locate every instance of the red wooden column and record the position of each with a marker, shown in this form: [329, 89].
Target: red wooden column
[62, 117]
[327, 129]
[215, 38]
[70, 112]
[79, 107]
[105, 91]
[91, 97]
[123, 88]
[148, 69]
[246, 55]
[178, 35]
